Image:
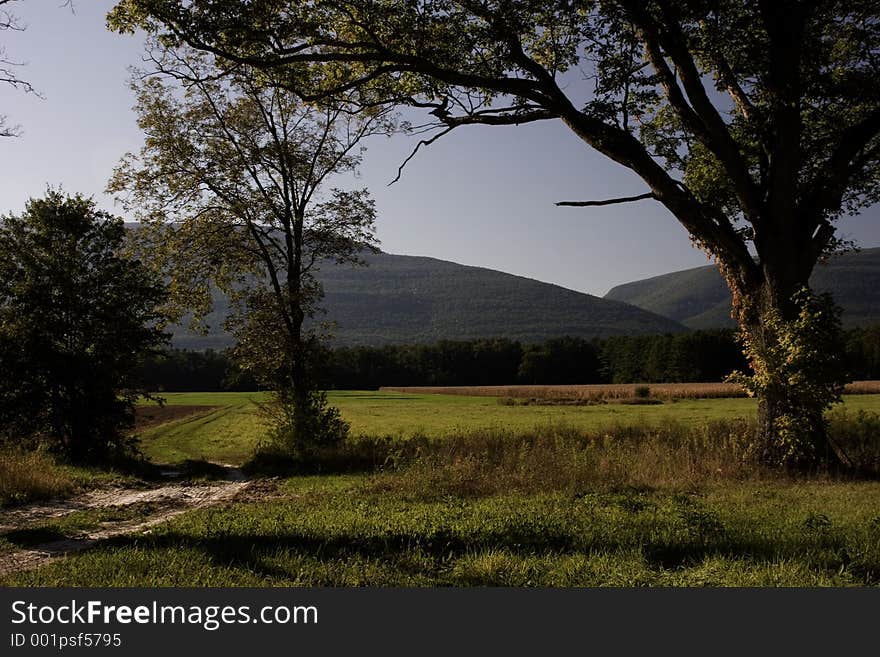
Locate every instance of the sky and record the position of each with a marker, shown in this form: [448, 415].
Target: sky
[480, 196]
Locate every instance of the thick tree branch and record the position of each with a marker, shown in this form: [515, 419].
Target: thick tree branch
[500, 117]
[609, 201]
[697, 110]
[358, 52]
[784, 23]
[734, 89]
[830, 184]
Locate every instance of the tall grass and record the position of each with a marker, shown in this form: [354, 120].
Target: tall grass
[569, 460]
[562, 459]
[29, 475]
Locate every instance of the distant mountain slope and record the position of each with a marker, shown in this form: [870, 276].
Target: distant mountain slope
[400, 299]
[699, 298]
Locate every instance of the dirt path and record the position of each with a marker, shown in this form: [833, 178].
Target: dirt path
[164, 502]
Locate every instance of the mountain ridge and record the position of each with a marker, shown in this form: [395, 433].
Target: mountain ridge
[699, 297]
[403, 299]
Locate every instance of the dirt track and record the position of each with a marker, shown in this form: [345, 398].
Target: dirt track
[152, 416]
[169, 501]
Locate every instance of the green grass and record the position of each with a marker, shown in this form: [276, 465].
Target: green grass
[470, 493]
[333, 531]
[229, 434]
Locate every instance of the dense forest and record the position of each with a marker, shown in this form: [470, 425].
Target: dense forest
[697, 356]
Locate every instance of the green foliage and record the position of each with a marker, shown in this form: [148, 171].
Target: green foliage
[560, 360]
[76, 318]
[300, 427]
[232, 188]
[176, 370]
[798, 369]
[701, 356]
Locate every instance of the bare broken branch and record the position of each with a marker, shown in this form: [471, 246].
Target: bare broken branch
[609, 201]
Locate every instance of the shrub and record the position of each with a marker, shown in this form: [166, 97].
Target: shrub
[298, 429]
[642, 392]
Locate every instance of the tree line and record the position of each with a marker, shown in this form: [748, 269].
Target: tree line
[700, 356]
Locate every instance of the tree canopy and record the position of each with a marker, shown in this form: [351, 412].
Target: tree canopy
[232, 188]
[730, 111]
[76, 319]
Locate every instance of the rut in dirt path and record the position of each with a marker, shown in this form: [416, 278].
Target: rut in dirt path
[172, 500]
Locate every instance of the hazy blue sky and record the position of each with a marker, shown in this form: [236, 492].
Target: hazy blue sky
[480, 196]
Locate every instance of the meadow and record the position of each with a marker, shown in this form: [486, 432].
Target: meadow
[230, 432]
[454, 490]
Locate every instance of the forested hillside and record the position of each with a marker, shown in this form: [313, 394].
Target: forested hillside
[699, 298]
[400, 299]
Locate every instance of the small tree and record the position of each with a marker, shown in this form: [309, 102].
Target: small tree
[231, 190]
[75, 319]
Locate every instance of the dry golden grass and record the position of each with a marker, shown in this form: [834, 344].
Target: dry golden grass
[612, 391]
[595, 392]
[863, 388]
[31, 475]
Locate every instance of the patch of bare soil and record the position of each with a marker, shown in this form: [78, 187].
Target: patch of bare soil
[151, 416]
[163, 503]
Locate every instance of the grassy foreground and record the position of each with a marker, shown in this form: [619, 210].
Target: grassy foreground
[347, 531]
[462, 491]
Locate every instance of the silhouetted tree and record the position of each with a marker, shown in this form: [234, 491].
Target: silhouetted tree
[76, 318]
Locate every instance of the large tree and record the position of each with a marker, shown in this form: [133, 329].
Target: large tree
[755, 123]
[233, 188]
[76, 318]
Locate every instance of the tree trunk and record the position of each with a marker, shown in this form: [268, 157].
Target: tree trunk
[299, 384]
[789, 368]
[300, 379]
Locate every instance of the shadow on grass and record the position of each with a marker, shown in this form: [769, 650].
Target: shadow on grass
[197, 470]
[131, 465]
[409, 553]
[31, 536]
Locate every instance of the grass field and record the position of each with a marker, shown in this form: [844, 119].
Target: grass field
[230, 433]
[341, 531]
[470, 491]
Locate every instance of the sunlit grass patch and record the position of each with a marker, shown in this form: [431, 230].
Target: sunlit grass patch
[28, 475]
[31, 475]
